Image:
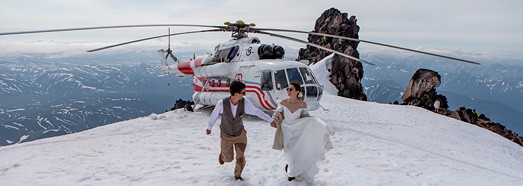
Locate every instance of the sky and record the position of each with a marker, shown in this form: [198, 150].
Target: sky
[483, 26]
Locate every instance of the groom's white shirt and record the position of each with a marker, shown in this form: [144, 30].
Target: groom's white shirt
[249, 109]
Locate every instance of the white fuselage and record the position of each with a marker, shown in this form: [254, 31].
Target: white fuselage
[239, 60]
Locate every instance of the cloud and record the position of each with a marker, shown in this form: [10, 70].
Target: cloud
[439, 24]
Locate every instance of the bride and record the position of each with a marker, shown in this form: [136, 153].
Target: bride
[304, 139]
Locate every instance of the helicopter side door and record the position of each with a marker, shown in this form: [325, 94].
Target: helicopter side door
[267, 83]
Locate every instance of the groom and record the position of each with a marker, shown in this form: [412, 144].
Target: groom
[233, 134]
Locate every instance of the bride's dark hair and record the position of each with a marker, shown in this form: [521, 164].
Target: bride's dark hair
[296, 86]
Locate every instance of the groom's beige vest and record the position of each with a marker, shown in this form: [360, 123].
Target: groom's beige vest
[232, 125]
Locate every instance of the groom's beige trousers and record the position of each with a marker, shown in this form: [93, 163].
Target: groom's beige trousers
[228, 144]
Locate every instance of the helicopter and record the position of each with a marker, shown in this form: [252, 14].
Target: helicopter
[261, 67]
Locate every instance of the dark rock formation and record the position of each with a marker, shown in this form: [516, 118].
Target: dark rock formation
[345, 74]
[421, 90]
[443, 101]
[463, 114]
[468, 115]
[183, 104]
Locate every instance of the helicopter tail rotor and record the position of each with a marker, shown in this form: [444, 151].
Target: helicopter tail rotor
[169, 51]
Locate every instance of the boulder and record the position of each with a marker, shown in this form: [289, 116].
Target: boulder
[345, 74]
[421, 90]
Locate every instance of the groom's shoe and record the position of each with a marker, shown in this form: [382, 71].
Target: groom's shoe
[220, 160]
[286, 166]
[238, 178]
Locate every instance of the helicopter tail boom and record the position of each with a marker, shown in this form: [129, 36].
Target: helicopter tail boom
[184, 68]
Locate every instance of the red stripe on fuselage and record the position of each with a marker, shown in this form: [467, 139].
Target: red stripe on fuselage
[262, 96]
[185, 67]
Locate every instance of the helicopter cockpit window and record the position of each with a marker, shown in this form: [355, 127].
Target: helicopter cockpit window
[307, 76]
[266, 80]
[294, 75]
[226, 54]
[233, 52]
[281, 80]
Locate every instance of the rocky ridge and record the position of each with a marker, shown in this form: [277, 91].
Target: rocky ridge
[345, 74]
[421, 92]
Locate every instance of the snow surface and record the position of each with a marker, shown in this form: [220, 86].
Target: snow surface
[374, 144]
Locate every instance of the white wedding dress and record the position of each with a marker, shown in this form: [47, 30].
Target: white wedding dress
[305, 142]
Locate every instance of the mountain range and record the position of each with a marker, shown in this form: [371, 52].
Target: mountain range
[43, 97]
[374, 144]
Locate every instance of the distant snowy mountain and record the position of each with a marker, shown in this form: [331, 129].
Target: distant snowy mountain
[44, 97]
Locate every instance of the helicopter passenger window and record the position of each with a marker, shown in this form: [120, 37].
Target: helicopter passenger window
[281, 80]
[312, 91]
[307, 76]
[294, 75]
[266, 80]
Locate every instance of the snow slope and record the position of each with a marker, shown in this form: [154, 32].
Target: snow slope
[375, 144]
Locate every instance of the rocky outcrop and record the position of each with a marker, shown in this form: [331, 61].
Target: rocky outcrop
[183, 104]
[463, 114]
[345, 74]
[469, 116]
[443, 101]
[421, 90]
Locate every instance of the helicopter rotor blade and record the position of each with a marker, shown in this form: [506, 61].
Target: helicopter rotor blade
[314, 45]
[365, 41]
[109, 27]
[155, 37]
